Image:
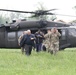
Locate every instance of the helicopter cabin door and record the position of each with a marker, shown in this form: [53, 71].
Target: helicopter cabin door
[11, 40]
[63, 38]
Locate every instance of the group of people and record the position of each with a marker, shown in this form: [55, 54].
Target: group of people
[51, 41]
[40, 41]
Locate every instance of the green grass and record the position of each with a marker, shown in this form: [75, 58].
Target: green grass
[12, 62]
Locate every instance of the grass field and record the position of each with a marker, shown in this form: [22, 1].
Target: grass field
[12, 62]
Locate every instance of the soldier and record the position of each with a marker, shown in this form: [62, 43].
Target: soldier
[19, 40]
[47, 41]
[54, 40]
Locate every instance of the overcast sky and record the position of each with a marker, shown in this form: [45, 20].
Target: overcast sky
[64, 6]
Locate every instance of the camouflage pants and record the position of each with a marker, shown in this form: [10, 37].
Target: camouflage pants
[48, 46]
[54, 47]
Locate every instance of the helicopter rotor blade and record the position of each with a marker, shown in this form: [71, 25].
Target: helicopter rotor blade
[50, 10]
[49, 14]
[16, 11]
[45, 11]
[37, 13]
[59, 14]
[26, 11]
[65, 15]
[40, 14]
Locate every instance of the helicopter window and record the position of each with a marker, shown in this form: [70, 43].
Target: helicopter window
[63, 35]
[20, 33]
[11, 36]
[72, 32]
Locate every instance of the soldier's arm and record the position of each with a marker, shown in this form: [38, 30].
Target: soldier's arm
[33, 37]
[46, 35]
[42, 35]
[59, 34]
[23, 40]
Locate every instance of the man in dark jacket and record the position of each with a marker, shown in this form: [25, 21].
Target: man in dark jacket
[39, 39]
[28, 41]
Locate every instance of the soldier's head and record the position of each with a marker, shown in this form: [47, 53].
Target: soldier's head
[28, 32]
[54, 30]
[25, 32]
[39, 31]
[49, 30]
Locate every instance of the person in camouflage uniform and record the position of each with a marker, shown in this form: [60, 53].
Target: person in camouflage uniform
[54, 41]
[47, 41]
[19, 40]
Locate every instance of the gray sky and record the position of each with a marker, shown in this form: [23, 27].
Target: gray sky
[65, 6]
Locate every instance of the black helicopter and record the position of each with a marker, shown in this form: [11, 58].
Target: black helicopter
[10, 32]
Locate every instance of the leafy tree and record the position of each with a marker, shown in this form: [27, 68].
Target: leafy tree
[3, 19]
[16, 16]
[74, 21]
[40, 6]
[10, 16]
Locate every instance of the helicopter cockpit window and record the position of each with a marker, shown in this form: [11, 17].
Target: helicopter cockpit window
[11, 36]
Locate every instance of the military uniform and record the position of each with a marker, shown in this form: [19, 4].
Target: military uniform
[55, 42]
[47, 41]
[19, 40]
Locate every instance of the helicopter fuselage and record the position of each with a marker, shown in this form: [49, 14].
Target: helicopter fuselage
[9, 34]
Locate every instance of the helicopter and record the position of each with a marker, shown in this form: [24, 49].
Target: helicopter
[10, 32]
